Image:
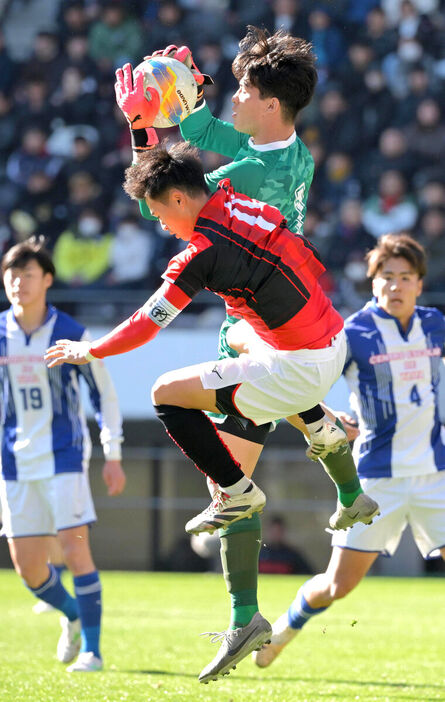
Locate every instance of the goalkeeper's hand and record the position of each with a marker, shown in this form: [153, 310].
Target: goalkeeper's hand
[184, 55]
[140, 106]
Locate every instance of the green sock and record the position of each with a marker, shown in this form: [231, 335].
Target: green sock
[341, 469]
[240, 548]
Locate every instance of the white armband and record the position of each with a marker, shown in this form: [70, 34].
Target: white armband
[160, 310]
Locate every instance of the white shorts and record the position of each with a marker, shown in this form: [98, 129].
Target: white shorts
[267, 384]
[44, 507]
[418, 501]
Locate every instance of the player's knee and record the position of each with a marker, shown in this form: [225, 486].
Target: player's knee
[77, 558]
[31, 573]
[162, 391]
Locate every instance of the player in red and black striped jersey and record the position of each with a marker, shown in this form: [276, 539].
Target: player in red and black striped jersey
[240, 249]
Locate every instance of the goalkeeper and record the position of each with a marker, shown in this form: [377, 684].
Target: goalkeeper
[277, 79]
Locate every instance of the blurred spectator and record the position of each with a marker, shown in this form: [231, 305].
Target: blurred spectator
[73, 19]
[84, 191]
[74, 101]
[393, 209]
[8, 128]
[82, 254]
[83, 157]
[392, 155]
[377, 32]
[338, 181]
[399, 63]
[348, 240]
[277, 556]
[168, 28]
[115, 37]
[31, 157]
[394, 9]
[431, 194]
[8, 68]
[212, 61]
[375, 107]
[419, 88]
[326, 39]
[33, 104]
[43, 200]
[77, 56]
[351, 73]
[131, 254]
[45, 62]
[426, 136]
[289, 15]
[431, 233]
[338, 126]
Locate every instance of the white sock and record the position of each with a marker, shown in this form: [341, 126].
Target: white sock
[313, 427]
[237, 488]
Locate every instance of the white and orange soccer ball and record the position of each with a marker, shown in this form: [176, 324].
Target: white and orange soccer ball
[175, 85]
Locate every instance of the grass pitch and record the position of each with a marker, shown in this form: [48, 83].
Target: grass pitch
[386, 641]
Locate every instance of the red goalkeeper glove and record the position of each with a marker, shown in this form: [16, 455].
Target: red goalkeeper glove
[184, 55]
[140, 106]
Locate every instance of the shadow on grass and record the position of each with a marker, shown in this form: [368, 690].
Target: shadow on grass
[327, 681]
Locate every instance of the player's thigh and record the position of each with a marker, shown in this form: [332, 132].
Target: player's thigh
[347, 567]
[29, 555]
[245, 452]
[76, 550]
[27, 508]
[426, 512]
[183, 388]
[384, 534]
[73, 502]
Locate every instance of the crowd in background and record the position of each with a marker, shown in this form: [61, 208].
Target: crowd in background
[375, 128]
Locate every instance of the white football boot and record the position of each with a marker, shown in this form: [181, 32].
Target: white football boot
[68, 645]
[42, 607]
[329, 439]
[227, 509]
[86, 662]
[363, 509]
[282, 634]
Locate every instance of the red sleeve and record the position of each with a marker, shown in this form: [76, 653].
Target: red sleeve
[144, 324]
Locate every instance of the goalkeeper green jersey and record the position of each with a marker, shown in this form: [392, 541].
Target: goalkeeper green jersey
[279, 173]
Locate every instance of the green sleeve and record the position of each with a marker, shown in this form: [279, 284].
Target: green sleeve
[246, 176]
[207, 132]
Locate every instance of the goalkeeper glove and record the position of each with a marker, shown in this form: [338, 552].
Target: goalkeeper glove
[140, 106]
[184, 55]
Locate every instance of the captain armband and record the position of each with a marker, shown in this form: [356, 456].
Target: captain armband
[160, 310]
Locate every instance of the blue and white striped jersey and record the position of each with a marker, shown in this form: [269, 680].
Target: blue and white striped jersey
[42, 423]
[393, 379]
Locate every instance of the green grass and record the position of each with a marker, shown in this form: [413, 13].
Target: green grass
[386, 641]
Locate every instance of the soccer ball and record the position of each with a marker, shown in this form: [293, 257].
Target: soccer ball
[176, 87]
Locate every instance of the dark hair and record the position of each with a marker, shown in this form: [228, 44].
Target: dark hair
[396, 246]
[280, 66]
[32, 249]
[160, 169]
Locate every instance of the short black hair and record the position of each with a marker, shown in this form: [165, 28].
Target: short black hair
[160, 169]
[279, 65]
[32, 249]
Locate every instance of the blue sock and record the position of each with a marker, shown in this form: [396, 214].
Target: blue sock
[89, 599]
[300, 611]
[53, 592]
[60, 567]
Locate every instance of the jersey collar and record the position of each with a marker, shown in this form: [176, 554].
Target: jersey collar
[273, 145]
[373, 306]
[50, 312]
